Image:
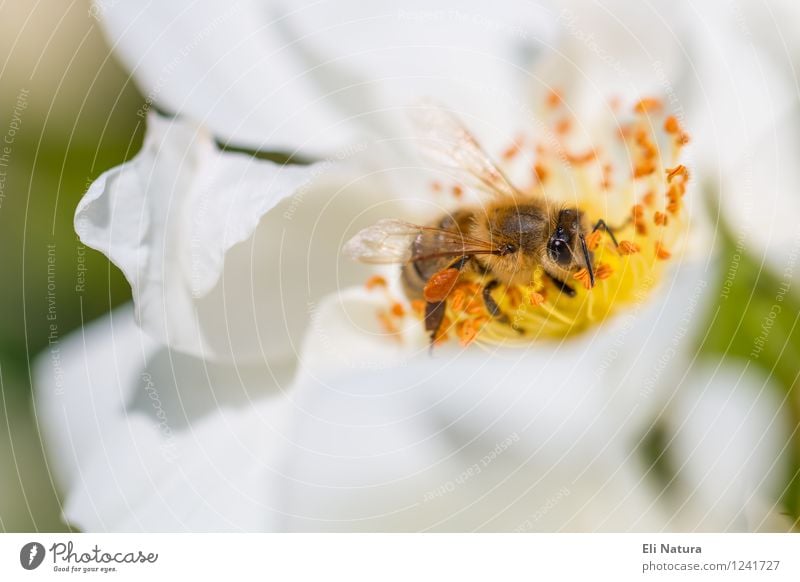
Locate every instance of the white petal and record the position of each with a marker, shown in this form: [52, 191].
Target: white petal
[383, 441]
[224, 251]
[144, 439]
[613, 49]
[731, 433]
[313, 76]
[743, 119]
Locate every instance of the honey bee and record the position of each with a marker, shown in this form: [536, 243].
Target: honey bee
[504, 240]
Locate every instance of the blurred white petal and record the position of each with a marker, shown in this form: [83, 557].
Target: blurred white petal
[316, 75]
[731, 434]
[144, 439]
[743, 118]
[614, 49]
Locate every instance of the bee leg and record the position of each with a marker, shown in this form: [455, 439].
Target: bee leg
[434, 315]
[602, 224]
[493, 308]
[459, 263]
[563, 287]
[491, 305]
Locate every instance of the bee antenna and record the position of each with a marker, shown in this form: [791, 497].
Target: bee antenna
[586, 258]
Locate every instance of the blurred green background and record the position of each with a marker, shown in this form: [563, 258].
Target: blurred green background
[80, 119]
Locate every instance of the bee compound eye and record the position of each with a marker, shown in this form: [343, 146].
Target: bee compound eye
[557, 250]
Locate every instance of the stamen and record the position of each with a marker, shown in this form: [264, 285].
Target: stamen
[512, 150]
[457, 300]
[679, 170]
[388, 324]
[671, 125]
[639, 220]
[582, 158]
[674, 195]
[647, 104]
[541, 172]
[374, 282]
[398, 310]
[661, 252]
[536, 298]
[593, 240]
[644, 169]
[627, 247]
[603, 271]
[583, 277]
[554, 98]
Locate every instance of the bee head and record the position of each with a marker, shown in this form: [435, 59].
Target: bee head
[566, 245]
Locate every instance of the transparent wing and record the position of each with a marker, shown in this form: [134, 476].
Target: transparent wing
[397, 241]
[448, 142]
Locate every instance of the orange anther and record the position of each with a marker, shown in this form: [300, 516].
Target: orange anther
[647, 104]
[603, 271]
[536, 299]
[554, 98]
[627, 247]
[541, 172]
[671, 124]
[581, 158]
[583, 277]
[638, 216]
[563, 126]
[398, 310]
[593, 240]
[661, 252]
[644, 169]
[679, 170]
[458, 299]
[386, 323]
[374, 282]
[457, 191]
[660, 218]
[512, 150]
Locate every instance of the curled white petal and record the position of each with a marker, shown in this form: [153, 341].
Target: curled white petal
[223, 251]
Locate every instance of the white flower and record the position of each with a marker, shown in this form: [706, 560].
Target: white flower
[252, 388]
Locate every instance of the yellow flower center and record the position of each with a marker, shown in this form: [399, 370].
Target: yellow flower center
[633, 180]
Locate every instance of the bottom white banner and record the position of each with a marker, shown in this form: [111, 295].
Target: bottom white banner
[354, 557]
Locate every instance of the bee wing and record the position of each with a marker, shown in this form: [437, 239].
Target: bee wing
[450, 144]
[397, 241]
